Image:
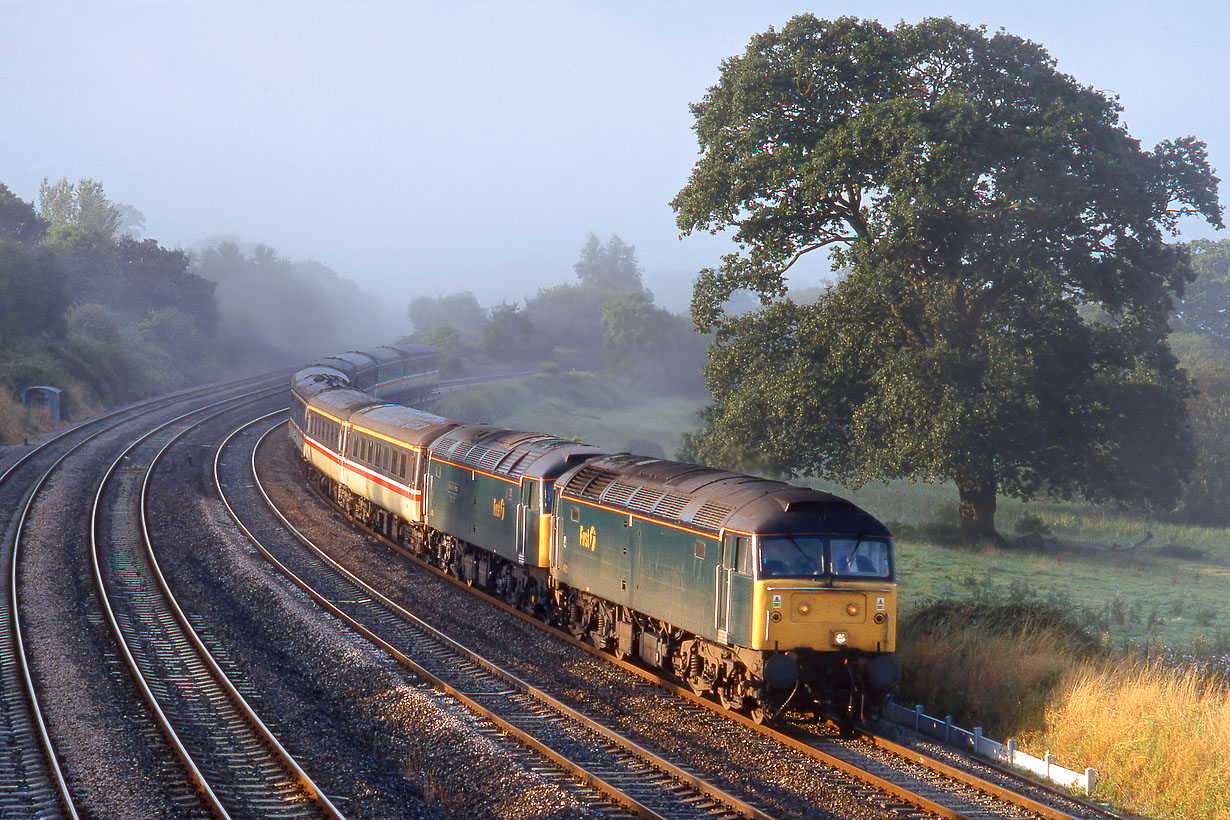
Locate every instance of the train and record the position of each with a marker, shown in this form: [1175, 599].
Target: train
[761, 594]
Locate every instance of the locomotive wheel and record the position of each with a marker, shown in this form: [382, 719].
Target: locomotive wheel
[728, 701]
[758, 713]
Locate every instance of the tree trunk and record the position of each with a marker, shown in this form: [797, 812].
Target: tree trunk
[977, 513]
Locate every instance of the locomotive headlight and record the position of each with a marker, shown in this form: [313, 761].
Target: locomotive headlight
[804, 608]
[839, 638]
[851, 609]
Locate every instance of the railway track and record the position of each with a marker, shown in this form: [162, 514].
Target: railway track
[238, 766]
[620, 775]
[899, 779]
[32, 781]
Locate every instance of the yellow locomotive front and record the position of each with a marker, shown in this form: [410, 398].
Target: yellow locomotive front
[825, 594]
[824, 620]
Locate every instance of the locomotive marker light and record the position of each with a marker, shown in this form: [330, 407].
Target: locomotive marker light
[852, 610]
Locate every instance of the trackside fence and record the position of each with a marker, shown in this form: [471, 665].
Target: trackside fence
[1005, 753]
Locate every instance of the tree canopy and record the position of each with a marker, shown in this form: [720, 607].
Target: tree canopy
[610, 267]
[1003, 316]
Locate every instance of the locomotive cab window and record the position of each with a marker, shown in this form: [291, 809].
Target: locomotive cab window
[792, 556]
[860, 557]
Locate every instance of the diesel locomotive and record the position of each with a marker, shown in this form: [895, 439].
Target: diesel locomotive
[763, 594]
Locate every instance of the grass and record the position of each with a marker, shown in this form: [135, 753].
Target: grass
[1161, 738]
[595, 409]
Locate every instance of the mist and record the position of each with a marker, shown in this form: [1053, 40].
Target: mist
[421, 148]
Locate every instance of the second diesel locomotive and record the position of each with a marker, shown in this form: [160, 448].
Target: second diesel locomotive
[763, 594]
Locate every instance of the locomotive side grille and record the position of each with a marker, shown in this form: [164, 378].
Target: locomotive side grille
[712, 515]
[619, 493]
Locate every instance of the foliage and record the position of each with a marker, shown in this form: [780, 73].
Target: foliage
[1205, 306]
[572, 315]
[510, 335]
[460, 310]
[19, 220]
[35, 296]
[83, 204]
[1207, 361]
[1159, 737]
[981, 202]
[988, 665]
[610, 267]
[650, 345]
[289, 311]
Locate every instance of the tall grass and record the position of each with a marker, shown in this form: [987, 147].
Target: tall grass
[988, 664]
[16, 421]
[1159, 737]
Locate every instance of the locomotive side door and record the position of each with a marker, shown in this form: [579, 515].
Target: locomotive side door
[736, 553]
[526, 533]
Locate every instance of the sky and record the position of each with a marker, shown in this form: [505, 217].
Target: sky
[420, 148]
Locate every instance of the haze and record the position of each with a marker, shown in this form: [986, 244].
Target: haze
[422, 148]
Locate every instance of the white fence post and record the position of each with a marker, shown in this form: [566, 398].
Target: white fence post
[918, 713]
[977, 740]
[948, 728]
[1091, 780]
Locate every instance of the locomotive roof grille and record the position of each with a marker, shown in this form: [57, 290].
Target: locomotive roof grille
[671, 505]
[590, 481]
[620, 492]
[712, 515]
[644, 499]
[489, 458]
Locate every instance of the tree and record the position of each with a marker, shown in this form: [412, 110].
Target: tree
[33, 298]
[1208, 486]
[85, 205]
[511, 335]
[1205, 306]
[611, 267]
[460, 309]
[650, 345]
[1003, 320]
[18, 219]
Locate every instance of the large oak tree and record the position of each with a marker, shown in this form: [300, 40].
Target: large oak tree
[1001, 320]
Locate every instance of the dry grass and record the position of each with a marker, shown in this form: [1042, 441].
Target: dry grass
[986, 665]
[1159, 738]
[15, 421]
